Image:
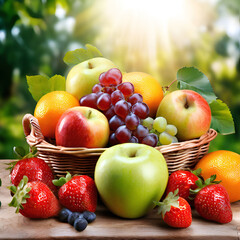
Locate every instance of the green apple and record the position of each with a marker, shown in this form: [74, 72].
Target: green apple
[129, 177]
[83, 76]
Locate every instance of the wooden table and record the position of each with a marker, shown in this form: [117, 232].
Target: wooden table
[108, 226]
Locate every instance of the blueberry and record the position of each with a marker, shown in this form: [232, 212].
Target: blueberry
[89, 216]
[63, 215]
[72, 217]
[80, 224]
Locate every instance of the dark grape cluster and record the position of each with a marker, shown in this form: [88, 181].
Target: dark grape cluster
[123, 108]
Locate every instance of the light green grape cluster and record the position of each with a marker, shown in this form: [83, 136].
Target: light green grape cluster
[166, 132]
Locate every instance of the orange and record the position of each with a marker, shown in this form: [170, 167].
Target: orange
[226, 165]
[148, 87]
[49, 109]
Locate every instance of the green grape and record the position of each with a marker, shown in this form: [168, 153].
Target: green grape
[165, 138]
[171, 129]
[160, 124]
[148, 122]
[174, 140]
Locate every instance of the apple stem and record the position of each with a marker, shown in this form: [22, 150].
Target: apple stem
[166, 88]
[90, 66]
[89, 114]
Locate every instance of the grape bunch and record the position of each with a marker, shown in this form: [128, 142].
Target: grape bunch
[123, 108]
[166, 132]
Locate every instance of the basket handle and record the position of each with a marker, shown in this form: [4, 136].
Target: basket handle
[34, 130]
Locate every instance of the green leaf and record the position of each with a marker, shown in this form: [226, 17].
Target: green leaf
[57, 83]
[62, 180]
[19, 152]
[222, 120]
[13, 189]
[72, 58]
[39, 85]
[197, 172]
[192, 79]
[59, 182]
[199, 183]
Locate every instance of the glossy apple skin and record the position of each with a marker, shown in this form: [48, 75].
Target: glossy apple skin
[188, 111]
[129, 177]
[82, 127]
[83, 76]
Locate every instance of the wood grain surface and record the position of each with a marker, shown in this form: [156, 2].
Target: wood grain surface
[108, 226]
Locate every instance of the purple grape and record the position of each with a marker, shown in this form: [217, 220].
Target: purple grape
[126, 88]
[133, 139]
[136, 97]
[151, 139]
[89, 100]
[123, 134]
[140, 132]
[121, 109]
[113, 140]
[132, 121]
[116, 96]
[96, 88]
[104, 102]
[109, 113]
[141, 110]
[115, 122]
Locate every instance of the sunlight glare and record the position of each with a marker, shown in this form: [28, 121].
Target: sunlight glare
[143, 29]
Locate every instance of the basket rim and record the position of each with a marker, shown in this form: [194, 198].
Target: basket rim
[35, 138]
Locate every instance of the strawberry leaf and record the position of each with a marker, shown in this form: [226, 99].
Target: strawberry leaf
[20, 153]
[20, 194]
[13, 189]
[197, 172]
[192, 79]
[170, 201]
[40, 85]
[201, 184]
[222, 120]
[72, 58]
[62, 180]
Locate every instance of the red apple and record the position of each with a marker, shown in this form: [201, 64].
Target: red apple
[82, 127]
[188, 111]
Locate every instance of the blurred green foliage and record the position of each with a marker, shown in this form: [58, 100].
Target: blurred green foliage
[35, 35]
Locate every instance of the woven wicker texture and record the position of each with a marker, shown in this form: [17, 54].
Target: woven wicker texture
[83, 160]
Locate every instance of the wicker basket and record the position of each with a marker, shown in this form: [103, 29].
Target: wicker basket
[83, 160]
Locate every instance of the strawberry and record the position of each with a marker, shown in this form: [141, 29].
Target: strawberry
[183, 181]
[34, 199]
[175, 211]
[34, 168]
[77, 193]
[212, 201]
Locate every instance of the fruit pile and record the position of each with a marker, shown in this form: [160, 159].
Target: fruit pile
[35, 194]
[181, 115]
[182, 189]
[75, 202]
[99, 107]
[126, 112]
